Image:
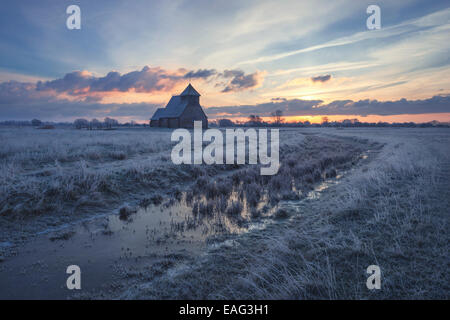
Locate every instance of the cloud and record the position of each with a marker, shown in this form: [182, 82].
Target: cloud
[59, 110]
[82, 82]
[277, 99]
[322, 79]
[14, 91]
[21, 101]
[240, 81]
[200, 73]
[147, 80]
[436, 104]
[297, 107]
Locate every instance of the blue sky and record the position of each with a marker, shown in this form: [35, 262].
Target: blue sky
[242, 53]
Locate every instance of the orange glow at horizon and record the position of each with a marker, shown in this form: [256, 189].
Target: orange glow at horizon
[417, 118]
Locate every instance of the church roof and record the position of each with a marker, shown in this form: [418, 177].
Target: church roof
[176, 105]
[158, 114]
[190, 91]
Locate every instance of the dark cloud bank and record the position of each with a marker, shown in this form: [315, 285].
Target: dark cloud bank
[296, 107]
[49, 109]
[61, 110]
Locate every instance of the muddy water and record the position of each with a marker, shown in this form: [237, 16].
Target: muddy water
[107, 247]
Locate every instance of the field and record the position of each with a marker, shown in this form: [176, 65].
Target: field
[141, 227]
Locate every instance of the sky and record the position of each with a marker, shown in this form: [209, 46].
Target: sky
[307, 58]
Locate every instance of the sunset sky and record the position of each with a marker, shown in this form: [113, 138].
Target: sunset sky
[306, 58]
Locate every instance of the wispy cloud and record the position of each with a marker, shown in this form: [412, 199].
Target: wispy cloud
[432, 20]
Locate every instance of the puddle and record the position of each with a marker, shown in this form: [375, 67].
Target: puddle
[104, 246]
[5, 244]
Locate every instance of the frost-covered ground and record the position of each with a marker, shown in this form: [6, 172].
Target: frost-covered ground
[145, 228]
[58, 176]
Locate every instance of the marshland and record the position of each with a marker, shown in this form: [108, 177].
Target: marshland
[142, 227]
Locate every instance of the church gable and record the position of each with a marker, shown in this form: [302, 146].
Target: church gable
[181, 111]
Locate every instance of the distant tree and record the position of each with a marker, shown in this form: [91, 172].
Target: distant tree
[225, 123]
[36, 122]
[109, 123]
[81, 123]
[346, 122]
[95, 124]
[277, 116]
[254, 120]
[325, 120]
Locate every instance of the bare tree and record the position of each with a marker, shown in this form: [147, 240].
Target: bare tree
[81, 123]
[95, 124]
[109, 122]
[277, 116]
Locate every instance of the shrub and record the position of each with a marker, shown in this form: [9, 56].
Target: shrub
[126, 212]
[156, 199]
[282, 214]
[235, 208]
